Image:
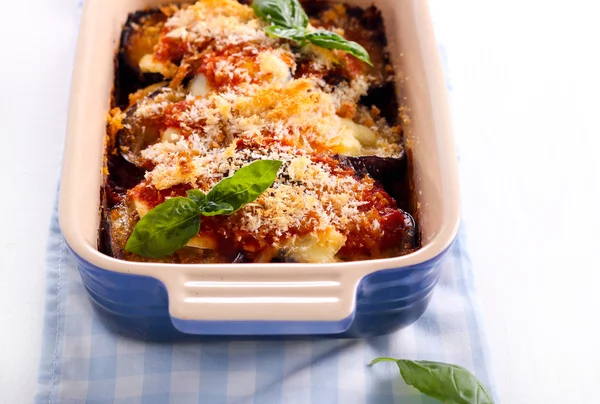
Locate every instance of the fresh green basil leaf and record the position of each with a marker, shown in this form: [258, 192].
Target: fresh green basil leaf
[331, 40]
[246, 184]
[211, 208]
[197, 196]
[293, 34]
[450, 384]
[288, 20]
[284, 13]
[299, 17]
[165, 229]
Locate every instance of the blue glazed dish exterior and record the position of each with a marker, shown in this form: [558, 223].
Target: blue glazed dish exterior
[137, 306]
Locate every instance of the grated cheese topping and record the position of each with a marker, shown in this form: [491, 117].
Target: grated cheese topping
[225, 22]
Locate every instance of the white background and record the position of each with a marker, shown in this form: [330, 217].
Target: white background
[525, 76]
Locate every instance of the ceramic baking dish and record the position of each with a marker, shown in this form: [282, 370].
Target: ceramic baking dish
[366, 298]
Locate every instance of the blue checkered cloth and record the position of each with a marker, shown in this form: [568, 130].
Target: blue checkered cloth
[83, 362]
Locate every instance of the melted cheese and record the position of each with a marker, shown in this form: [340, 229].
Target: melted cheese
[273, 66]
[141, 207]
[171, 135]
[317, 247]
[364, 135]
[204, 242]
[199, 86]
[150, 65]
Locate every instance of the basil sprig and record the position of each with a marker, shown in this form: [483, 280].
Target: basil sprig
[165, 229]
[170, 225]
[283, 13]
[450, 384]
[288, 20]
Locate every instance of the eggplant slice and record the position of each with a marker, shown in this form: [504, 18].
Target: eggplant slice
[140, 131]
[393, 175]
[410, 234]
[383, 98]
[118, 227]
[381, 169]
[138, 38]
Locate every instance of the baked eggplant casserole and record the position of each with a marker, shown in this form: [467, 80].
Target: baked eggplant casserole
[265, 131]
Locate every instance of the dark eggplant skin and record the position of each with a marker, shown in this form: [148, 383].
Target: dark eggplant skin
[134, 138]
[384, 98]
[410, 239]
[139, 133]
[313, 7]
[240, 258]
[104, 245]
[393, 174]
[129, 78]
[381, 169]
[122, 176]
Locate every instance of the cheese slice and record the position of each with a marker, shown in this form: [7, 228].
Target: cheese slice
[364, 135]
[199, 86]
[150, 65]
[203, 241]
[316, 247]
[171, 135]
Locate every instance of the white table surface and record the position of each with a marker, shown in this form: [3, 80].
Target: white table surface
[526, 82]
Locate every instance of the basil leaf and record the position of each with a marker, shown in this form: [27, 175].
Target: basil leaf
[448, 383]
[299, 17]
[331, 40]
[246, 184]
[289, 21]
[284, 13]
[165, 229]
[197, 196]
[206, 207]
[216, 208]
[293, 34]
[170, 225]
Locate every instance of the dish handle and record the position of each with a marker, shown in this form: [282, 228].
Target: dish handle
[256, 302]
